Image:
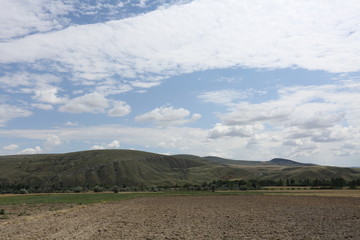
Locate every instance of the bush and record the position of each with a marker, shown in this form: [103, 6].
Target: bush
[2, 212]
[78, 189]
[116, 189]
[243, 188]
[23, 191]
[98, 189]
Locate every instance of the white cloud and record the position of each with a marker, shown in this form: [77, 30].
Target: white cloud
[48, 95]
[19, 18]
[247, 113]
[11, 147]
[299, 123]
[97, 147]
[14, 80]
[347, 149]
[34, 150]
[168, 116]
[203, 35]
[8, 112]
[52, 141]
[119, 109]
[311, 107]
[114, 144]
[266, 144]
[226, 96]
[69, 123]
[112, 87]
[143, 84]
[235, 131]
[92, 102]
[42, 106]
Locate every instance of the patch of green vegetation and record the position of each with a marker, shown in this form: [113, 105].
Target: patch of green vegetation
[88, 198]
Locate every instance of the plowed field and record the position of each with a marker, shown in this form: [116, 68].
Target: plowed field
[195, 217]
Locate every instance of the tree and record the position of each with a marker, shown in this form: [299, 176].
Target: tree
[78, 189]
[115, 189]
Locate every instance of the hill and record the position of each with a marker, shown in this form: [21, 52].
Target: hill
[287, 162]
[135, 168]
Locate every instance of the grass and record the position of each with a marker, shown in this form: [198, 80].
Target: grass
[89, 198]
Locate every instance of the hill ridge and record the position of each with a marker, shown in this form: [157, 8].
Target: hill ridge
[133, 168]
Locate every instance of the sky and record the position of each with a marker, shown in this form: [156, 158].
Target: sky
[239, 79]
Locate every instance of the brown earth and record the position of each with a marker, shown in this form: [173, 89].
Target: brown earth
[195, 217]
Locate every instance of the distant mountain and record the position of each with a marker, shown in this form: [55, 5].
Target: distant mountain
[128, 167]
[275, 161]
[287, 162]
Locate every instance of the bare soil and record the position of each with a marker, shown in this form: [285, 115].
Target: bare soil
[194, 217]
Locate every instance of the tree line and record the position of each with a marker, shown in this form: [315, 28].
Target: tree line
[251, 184]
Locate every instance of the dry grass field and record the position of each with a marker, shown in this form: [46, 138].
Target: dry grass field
[246, 216]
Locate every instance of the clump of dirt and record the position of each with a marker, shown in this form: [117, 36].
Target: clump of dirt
[200, 217]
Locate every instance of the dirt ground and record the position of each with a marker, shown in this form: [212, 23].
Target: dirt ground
[193, 217]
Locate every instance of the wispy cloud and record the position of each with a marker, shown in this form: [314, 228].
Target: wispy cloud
[228, 97]
[134, 48]
[8, 112]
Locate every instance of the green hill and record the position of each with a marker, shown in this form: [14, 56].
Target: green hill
[134, 168]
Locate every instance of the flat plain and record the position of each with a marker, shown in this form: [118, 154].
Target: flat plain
[242, 216]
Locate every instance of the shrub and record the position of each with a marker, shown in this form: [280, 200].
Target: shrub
[98, 189]
[116, 189]
[2, 212]
[23, 191]
[243, 188]
[78, 189]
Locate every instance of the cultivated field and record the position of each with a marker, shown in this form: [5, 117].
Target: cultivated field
[242, 216]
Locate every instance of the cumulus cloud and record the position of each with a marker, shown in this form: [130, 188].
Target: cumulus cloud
[168, 116]
[92, 102]
[48, 95]
[112, 145]
[235, 131]
[97, 147]
[11, 147]
[119, 109]
[302, 121]
[34, 150]
[311, 107]
[52, 141]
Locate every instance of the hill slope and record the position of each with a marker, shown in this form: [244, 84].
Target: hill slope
[127, 167]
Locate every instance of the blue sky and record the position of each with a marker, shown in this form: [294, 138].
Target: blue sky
[236, 79]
